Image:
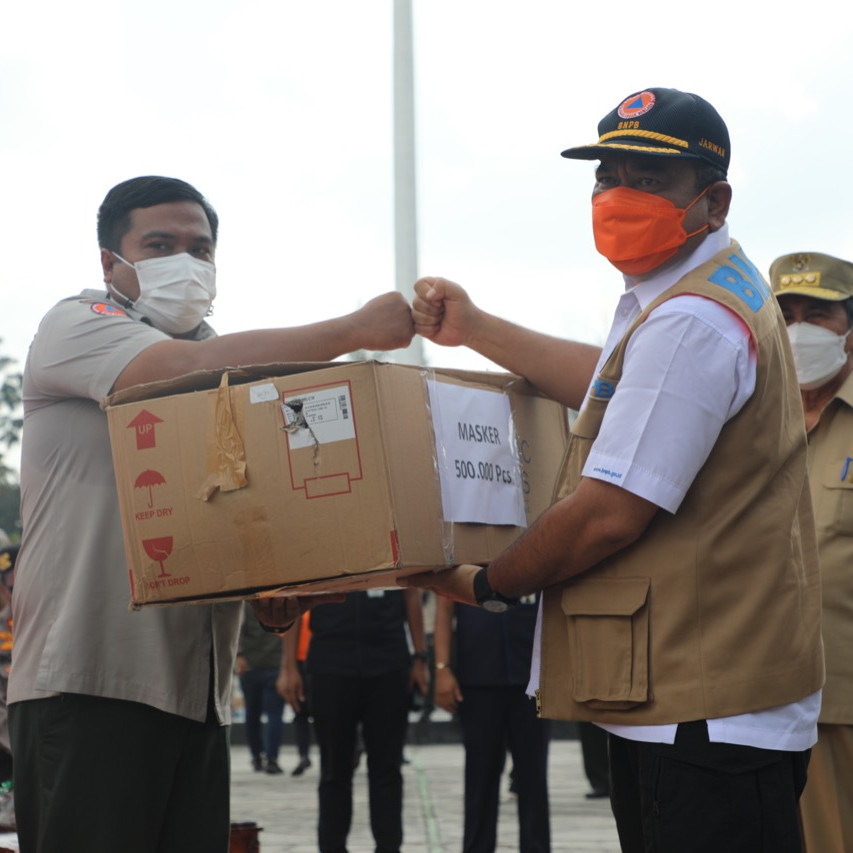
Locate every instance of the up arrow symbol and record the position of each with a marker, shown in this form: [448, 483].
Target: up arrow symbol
[144, 423]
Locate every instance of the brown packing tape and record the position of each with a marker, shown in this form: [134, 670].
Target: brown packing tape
[226, 455]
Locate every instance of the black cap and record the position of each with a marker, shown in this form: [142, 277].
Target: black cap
[662, 122]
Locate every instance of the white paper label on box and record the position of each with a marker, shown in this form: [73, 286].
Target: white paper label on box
[321, 414]
[478, 463]
[263, 393]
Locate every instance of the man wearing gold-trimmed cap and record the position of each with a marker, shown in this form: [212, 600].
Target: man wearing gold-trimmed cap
[681, 604]
[815, 292]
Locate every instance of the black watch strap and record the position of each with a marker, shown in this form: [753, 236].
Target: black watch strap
[276, 629]
[488, 598]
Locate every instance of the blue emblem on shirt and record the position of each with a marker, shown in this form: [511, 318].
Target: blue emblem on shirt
[602, 389]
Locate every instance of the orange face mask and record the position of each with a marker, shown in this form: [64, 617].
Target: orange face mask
[638, 231]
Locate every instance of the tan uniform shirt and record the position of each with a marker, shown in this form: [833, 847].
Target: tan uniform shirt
[73, 629]
[831, 475]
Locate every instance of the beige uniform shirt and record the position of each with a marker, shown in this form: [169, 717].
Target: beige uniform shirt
[73, 629]
[831, 475]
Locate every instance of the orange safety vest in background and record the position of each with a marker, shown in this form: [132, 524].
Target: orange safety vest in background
[304, 636]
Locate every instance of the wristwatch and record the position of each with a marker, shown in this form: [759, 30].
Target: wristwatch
[276, 629]
[488, 598]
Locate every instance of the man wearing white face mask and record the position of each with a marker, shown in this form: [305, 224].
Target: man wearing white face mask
[815, 292]
[119, 719]
[175, 292]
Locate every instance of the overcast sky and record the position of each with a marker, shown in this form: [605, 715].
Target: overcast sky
[281, 113]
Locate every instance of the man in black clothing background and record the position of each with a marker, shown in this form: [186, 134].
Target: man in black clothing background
[485, 683]
[361, 672]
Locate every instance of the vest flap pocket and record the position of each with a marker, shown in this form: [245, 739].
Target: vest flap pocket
[607, 620]
[606, 597]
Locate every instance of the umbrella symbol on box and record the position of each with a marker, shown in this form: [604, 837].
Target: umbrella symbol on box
[146, 480]
[158, 550]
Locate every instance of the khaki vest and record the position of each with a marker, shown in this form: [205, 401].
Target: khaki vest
[715, 610]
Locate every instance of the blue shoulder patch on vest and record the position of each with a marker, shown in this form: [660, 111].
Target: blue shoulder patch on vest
[602, 389]
[741, 278]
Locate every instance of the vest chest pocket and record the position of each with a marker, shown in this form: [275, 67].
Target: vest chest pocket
[607, 620]
[834, 511]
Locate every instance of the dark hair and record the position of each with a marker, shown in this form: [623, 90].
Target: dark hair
[707, 174]
[114, 212]
[848, 307]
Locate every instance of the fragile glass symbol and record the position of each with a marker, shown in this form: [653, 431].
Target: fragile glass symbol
[158, 550]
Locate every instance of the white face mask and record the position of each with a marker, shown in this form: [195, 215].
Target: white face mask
[175, 291]
[818, 353]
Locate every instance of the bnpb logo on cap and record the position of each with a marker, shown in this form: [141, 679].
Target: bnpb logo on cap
[636, 105]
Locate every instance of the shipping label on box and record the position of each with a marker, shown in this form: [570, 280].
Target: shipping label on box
[478, 463]
[324, 476]
[316, 417]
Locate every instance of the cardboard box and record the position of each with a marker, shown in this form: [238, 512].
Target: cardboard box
[321, 477]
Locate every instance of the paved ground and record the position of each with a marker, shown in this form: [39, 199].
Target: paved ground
[286, 807]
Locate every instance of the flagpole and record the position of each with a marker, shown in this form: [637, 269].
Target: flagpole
[405, 198]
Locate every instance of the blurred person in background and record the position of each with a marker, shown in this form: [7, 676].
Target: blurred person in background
[361, 676]
[302, 713]
[485, 684]
[8, 556]
[815, 293]
[593, 741]
[260, 661]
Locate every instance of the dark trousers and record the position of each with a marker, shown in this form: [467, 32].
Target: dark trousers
[380, 705]
[100, 774]
[302, 718]
[261, 697]
[694, 796]
[492, 718]
[596, 764]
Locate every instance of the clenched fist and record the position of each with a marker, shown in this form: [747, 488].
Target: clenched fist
[443, 312]
[384, 323]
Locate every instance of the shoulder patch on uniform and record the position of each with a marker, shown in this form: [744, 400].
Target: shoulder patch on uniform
[105, 309]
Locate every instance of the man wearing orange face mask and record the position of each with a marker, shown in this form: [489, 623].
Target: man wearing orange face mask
[681, 605]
